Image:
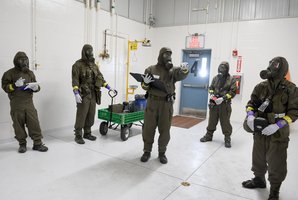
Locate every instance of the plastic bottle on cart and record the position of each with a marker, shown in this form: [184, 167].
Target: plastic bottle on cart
[140, 102]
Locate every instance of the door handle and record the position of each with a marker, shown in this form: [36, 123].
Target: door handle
[196, 86]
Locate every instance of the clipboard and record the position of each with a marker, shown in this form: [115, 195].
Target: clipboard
[158, 84]
[137, 76]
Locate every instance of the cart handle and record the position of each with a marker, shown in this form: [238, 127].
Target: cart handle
[112, 95]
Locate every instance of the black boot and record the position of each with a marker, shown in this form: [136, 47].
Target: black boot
[88, 136]
[206, 138]
[162, 158]
[79, 139]
[256, 182]
[40, 147]
[274, 192]
[228, 142]
[145, 157]
[22, 148]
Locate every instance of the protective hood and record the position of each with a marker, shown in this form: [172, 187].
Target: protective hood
[85, 57]
[223, 69]
[24, 65]
[277, 69]
[165, 60]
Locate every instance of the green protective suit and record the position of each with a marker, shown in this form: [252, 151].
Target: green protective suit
[159, 110]
[270, 152]
[23, 112]
[225, 88]
[87, 79]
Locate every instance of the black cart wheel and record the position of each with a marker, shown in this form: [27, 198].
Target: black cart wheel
[125, 132]
[103, 128]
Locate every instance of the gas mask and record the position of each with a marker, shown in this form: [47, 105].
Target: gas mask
[23, 64]
[167, 60]
[87, 54]
[277, 69]
[223, 70]
[164, 58]
[21, 61]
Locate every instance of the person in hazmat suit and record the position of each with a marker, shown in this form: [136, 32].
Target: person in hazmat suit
[20, 84]
[87, 81]
[222, 90]
[272, 107]
[159, 110]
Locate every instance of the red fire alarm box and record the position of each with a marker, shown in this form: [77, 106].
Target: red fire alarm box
[238, 83]
[235, 53]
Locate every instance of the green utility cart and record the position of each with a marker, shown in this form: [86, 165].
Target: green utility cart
[113, 120]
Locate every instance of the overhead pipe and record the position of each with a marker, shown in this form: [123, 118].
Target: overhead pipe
[97, 5]
[113, 7]
[151, 18]
[34, 42]
[145, 13]
[91, 4]
[116, 52]
[86, 3]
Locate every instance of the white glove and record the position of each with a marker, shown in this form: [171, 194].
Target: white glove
[78, 98]
[250, 122]
[32, 86]
[147, 79]
[219, 100]
[20, 82]
[184, 66]
[269, 130]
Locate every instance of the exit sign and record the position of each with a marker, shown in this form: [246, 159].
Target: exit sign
[195, 41]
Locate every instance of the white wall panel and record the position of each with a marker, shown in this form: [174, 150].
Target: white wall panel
[60, 37]
[15, 35]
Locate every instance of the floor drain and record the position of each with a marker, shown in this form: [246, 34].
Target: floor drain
[185, 183]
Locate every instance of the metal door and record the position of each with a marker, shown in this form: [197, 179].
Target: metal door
[194, 89]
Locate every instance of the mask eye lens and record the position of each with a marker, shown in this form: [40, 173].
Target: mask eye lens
[276, 65]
